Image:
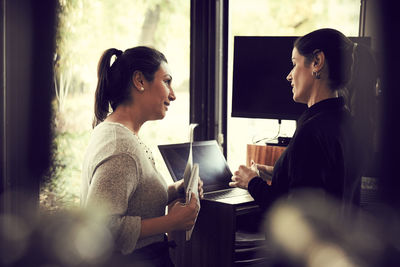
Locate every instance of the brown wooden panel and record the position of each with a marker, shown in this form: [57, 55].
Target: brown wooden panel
[263, 154]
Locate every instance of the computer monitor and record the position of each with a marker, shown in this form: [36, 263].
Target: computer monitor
[260, 67]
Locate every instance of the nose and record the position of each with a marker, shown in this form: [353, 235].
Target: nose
[171, 96]
[289, 77]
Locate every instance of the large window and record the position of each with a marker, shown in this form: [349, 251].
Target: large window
[278, 18]
[87, 28]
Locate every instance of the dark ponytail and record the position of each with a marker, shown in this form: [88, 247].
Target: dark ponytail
[363, 100]
[362, 87]
[101, 107]
[115, 81]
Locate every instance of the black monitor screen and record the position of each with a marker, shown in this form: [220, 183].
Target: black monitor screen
[260, 67]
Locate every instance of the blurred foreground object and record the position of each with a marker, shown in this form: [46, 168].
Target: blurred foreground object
[309, 230]
[65, 238]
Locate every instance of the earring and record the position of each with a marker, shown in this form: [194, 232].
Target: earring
[317, 75]
[141, 89]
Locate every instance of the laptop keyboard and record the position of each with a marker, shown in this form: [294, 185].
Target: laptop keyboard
[234, 192]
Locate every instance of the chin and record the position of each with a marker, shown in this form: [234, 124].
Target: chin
[300, 101]
[157, 117]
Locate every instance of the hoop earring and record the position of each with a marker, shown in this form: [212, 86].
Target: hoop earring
[316, 75]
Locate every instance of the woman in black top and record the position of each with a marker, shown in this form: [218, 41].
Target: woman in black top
[326, 151]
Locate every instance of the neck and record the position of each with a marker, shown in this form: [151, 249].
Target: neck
[321, 92]
[129, 116]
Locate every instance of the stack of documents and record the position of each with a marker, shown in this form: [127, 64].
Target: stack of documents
[191, 177]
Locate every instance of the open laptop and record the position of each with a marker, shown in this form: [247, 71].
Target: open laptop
[213, 169]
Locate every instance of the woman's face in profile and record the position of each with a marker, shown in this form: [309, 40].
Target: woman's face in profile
[300, 78]
[159, 93]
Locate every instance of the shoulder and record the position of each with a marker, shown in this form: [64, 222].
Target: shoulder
[326, 122]
[313, 133]
[111, 139]
[325, 132]
[116, 136]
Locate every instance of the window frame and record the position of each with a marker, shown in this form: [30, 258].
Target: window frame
[208, 69]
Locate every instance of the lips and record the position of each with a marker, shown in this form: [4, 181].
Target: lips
[166, 105]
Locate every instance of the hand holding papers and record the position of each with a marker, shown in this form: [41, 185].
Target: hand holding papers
[191, 176]
[193, 188]
[189, 164]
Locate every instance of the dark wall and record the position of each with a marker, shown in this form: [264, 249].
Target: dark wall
[28, 32]
[389, 28]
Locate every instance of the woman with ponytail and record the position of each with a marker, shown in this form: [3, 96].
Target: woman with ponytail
[336, 79]
[119, 176]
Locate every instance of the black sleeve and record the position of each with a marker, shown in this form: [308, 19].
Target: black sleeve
[261, 192]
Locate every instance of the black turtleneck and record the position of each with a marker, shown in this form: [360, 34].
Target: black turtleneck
[320, 155]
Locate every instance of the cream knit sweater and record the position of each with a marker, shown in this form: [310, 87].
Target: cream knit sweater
[120, 178]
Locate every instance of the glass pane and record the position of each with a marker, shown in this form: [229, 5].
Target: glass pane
[278, 18]
[86, 29]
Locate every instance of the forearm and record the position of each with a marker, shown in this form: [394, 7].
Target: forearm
[157, 225]
[265, 172]
[270, 169]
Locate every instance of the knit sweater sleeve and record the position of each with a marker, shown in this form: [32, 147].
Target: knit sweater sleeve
[113, 182]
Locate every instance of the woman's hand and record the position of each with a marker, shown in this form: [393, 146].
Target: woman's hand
[266, 169]
[242, 177]
[177, 190]
[201, 191]
[184, 215]
[180, 188]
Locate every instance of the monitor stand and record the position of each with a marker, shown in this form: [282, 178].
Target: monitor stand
[280, 141]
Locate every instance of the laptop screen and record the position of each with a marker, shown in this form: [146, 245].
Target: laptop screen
[213, 168]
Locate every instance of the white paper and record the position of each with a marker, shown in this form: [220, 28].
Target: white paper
[191, 176]
[189, 164]
[193, 187]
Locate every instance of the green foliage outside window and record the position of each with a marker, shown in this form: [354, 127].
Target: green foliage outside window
[85, 29]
